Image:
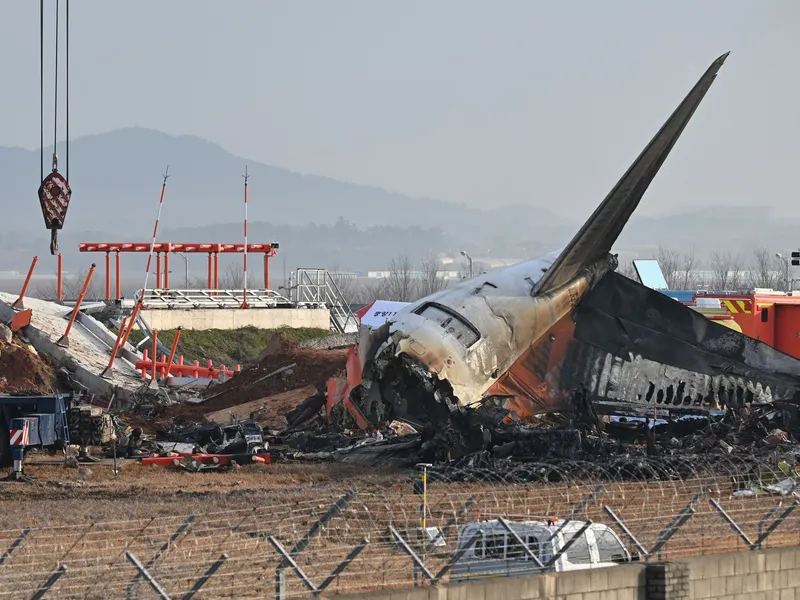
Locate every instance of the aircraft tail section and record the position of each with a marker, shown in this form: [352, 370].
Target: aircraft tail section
[600, 232]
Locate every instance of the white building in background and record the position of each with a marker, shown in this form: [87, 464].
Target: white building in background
[447, 275]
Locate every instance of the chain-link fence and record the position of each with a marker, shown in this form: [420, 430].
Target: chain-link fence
[499, 521]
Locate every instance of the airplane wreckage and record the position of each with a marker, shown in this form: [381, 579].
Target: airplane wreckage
[563, 333]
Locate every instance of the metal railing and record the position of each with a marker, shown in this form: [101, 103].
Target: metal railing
[301, 541]
[168, 298]
[318, 286]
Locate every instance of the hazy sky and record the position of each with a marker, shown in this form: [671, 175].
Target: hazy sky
[486, 103]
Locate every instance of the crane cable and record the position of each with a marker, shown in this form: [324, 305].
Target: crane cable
[66, 91]
[54, 192]
[41, 90]
[55, 97]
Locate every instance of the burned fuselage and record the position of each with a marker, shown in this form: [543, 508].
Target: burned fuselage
[507, 336]
[450, 347]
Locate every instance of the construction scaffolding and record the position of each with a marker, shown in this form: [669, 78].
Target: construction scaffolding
[316, 287]
[164, 249]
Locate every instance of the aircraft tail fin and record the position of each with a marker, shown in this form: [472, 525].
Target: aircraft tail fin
[600, 232]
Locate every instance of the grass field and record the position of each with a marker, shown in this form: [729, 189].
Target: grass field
[229, 346]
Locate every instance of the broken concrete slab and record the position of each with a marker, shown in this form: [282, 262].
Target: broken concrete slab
[128, 352]
[87, 355]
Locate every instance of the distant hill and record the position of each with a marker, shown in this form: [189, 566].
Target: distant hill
[116, 176]
[319, 221]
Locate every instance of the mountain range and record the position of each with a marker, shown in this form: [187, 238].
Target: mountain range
[319, 221]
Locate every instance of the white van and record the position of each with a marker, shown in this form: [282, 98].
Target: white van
[496, 553]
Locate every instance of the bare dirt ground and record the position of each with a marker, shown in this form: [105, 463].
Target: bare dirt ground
[142, 491]
[312, 369]
[22, 370]
[90, 521]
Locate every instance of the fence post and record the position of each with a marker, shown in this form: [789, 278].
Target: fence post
[457, 556]
[206, 576]
[769, 514]
[408, 550]
[671, 529]
[184, 526]
[50, 583]
[287, 558]
[734, 525]
[626, 531]
[14, 545]
[280, 584]
[342, 566]
[146, 575]
[568, 545]
[280, 577]
[507, 526]
[580, 506]
[316, 527]
[781, 518]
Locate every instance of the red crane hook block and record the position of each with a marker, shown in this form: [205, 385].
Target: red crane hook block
[54, 195]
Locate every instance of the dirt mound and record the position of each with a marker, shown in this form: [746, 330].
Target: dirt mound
[313, 368]
[22, 370]
[268, 412]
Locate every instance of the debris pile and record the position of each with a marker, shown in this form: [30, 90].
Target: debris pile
[22, 369]
[479, 438]
[284, 376]
[212, 438]
[303, 367]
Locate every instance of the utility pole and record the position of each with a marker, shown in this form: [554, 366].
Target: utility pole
[786, 262]
[469, 258]
[185, 269]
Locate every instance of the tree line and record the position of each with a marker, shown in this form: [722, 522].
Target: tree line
[721, 271]
[407, 280]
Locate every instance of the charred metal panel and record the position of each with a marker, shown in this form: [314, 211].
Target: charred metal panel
[633, 346]
[534, 381]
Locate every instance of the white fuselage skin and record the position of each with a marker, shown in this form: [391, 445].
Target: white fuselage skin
[500, 306]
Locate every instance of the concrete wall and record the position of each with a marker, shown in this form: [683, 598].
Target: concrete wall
[234, 318]
[770, 575]
[625, 582]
